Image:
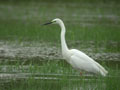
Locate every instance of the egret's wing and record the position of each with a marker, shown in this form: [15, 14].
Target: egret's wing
[82, 63]
[80, 60]
[82, 56]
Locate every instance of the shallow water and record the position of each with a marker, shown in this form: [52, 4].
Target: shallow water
[47, 81]
[54, 74]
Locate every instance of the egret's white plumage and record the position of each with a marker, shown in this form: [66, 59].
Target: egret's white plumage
[76, 58]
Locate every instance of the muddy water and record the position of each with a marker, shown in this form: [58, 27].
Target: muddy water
[28, 50]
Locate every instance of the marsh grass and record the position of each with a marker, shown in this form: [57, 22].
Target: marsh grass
[107, 37]
[90, 23]
[57, 75]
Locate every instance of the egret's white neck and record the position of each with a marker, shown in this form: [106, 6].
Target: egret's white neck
[63, 42]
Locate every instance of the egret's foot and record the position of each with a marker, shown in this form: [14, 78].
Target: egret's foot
[81, 73]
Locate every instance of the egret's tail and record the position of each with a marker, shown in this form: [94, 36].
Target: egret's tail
[102, 71]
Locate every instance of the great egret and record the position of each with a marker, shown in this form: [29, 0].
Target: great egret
[76, 58]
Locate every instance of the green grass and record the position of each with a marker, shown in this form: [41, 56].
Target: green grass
[65, 1]
[107, 37]
[88, 22]
[66, 77]
[12, 31]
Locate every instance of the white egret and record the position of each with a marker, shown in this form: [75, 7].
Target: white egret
[76, 58]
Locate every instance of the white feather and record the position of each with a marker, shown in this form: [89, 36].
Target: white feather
[81, 61]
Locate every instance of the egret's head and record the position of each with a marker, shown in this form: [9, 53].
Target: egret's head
[54, 21]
